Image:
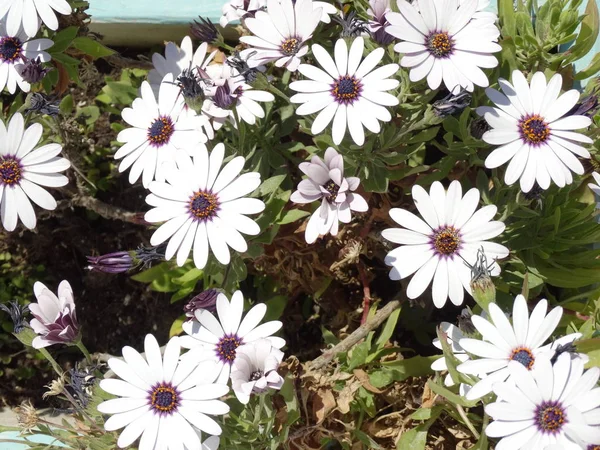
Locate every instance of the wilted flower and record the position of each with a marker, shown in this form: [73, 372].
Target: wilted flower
[17, 314]
[192, 88]
[55, 387]
[352, 25]
[482, 286]
[204, 300]
[326, 182]
[240, 65]
[32, 70]
[377, 11]
[81, 383]
[254, 370]
[55, 320]
[27, 416]
[452, 104]
[204, 31]
[42, 104]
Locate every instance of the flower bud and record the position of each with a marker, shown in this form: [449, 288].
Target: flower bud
[204, 300]
[32, 70]
[204, 31]
[482, 286]
[452, 104]
[118, 262]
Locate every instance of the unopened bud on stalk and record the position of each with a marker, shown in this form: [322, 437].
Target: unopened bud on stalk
[482, 286]
[452, 104]
[121, 262]
[205, 31]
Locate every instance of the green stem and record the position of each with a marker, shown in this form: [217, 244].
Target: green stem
[52, 361]
[84, 350]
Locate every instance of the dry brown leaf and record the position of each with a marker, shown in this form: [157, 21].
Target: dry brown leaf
[428, 397]
[323, 403]
[346, 395]
[363, 377]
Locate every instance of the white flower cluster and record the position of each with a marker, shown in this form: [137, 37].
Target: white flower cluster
[166, 399]
[543, 397]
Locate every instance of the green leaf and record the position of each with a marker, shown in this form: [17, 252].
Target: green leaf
[388, 329]
[506, 14]
[450, 396]
[270, 185]
[62, 40]
[587, 34]
[91, 47]
[592, 69]
[359, 355]
[292, 215]
[275, 307]
[176, 328]
[416, 439]
[193, 274]
[417, 366]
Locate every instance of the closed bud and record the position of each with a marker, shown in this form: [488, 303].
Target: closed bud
[452, 104]
[482, 286]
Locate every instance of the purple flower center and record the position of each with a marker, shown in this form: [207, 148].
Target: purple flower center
[227, 348]
[203, 205]
[446, 241]
[10, 171]
[346, 89]
[164, 399]
[524, 356]
[290, 46]
[333, 190]
[593, 447]
[550, 417]
[439, 44]
[534, 130]
[161, 131]
[11, 49]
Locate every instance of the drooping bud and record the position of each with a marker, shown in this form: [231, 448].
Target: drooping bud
[249, 74]
[377, 10]
[192, 90]
[204, 300]
[587, 106]
[32, 70]
[452, 104]
[482, 286]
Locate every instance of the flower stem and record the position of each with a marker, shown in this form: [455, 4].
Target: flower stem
[463, 416]
[84, 350]
[52, 361]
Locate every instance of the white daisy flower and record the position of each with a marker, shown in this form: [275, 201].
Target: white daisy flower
[347, 91]
[161, 131]
[178, 59]
[219, 339]
[326, 182]
[553, 407]
[443, 41]
[230, 91]
[281, 33]
[439, 247]
[23, 169]
[163, 400]
[529, 125]
[27, 13]
[502, 342]
[15, 49]
[238, 9]
[453, 335]
[203, 206]
[254, 370]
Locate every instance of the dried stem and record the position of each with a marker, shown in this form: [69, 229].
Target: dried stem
[104, 209]
[358, 334]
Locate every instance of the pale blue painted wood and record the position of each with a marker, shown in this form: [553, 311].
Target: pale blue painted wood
[154, 11]
[36, 438]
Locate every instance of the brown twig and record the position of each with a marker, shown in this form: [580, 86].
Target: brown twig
[358, 334]
[104, 209]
